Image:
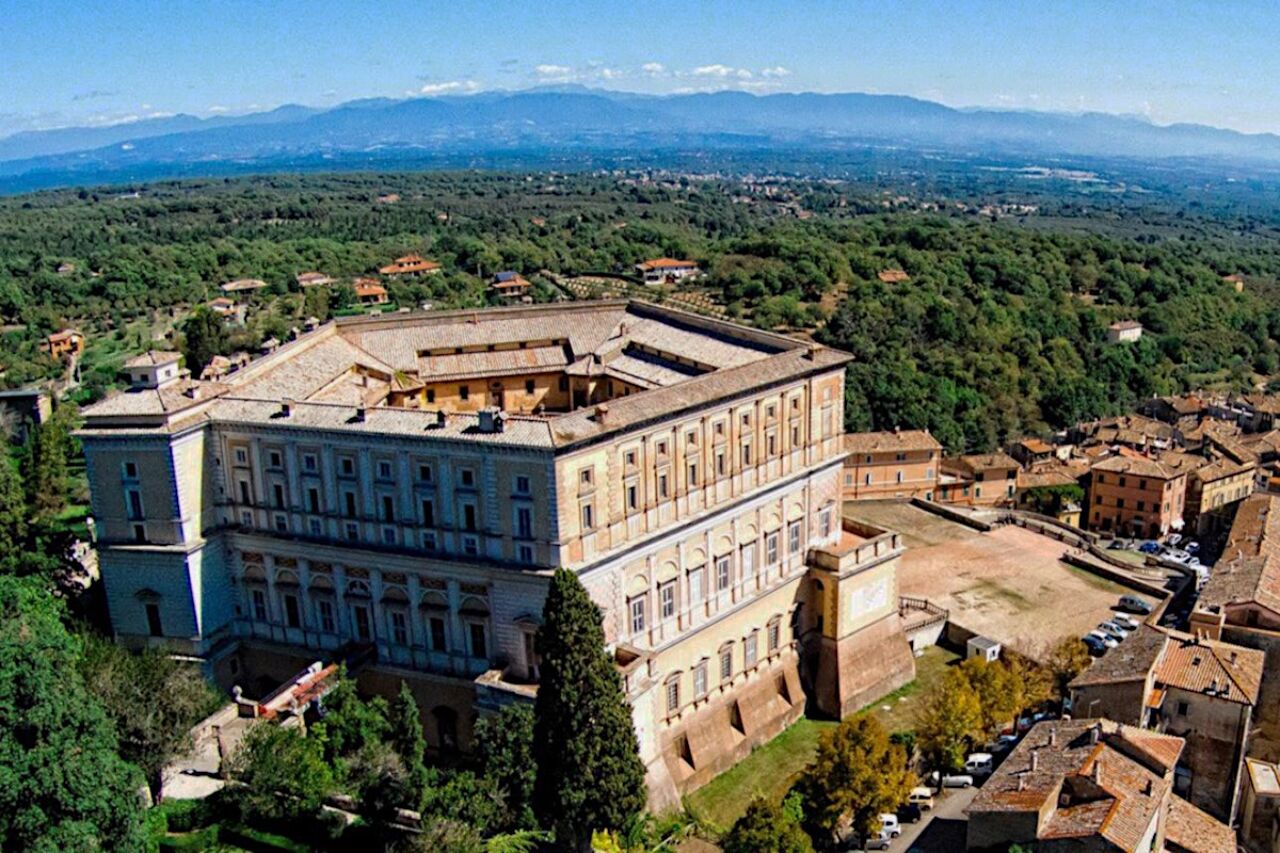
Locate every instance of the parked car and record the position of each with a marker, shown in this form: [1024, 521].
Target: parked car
[1124, 620]
[979, 764]
[1111, 629]
[889, 823]
[1173, 539]
[910, 813]
[1177, 556]
[1107, 640]
[1120, 544]
[921, 797]
[1134, 604]
[1095, 644]
[1003, 743]
[878, 842]
[957, 780]
[1150, 547]
[1192, 547]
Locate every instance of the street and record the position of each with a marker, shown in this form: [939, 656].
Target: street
[942, 828]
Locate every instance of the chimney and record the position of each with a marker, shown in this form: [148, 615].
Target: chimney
[360, 413]
[1053, 736]
[1035, 761]
[286, 407]
[492, 419]
[194, 393]
[1022, 782]
[442, 418]
[1095, 732]
[602, 412]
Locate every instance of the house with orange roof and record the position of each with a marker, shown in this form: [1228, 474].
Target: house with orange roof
[1133, 495]
[1091, 785]
[370, 293]
[242, 285]
[1204, 691]
[978, 479]
[410, 266]
[512, 287]
[901, 464]
[312, 279]
[666, 270]
[64, 343]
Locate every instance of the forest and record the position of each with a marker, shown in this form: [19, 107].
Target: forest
[997, 329]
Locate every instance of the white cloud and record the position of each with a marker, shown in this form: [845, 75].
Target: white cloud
[610, 73]
[548, 71]
[776, 71]
[712, 71]
[653, 69]
[218, 108]
[448, 87]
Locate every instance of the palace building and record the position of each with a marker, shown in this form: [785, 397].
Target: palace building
[398, 489]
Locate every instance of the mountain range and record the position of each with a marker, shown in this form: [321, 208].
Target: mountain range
[577, 119]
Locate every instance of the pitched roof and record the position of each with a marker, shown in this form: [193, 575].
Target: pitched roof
[975, 462]
[889, 441]
[153, 358]
[1112, 785]
[1189, 828]
[1137, 466]
[1211, 667]
[1132, 660]
[666, 264]
[242, 284]
[1125, 325]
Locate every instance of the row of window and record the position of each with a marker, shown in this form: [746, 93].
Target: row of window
[899, 478]
[1138, 506]
[694, 590]
[700, 674]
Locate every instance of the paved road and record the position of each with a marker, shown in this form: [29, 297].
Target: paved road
[943, 828]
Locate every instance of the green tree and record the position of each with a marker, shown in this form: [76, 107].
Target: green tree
[13, 512]
[951, 718]
[151, 733]
[44, 470]
[589, 771]
[283, 774]
[504, 748]
[63, 786]
[405, 721]
[349, 721]
[856, 775]
[1069, 658]
[204, 335]
[998, 697]
[765, 826]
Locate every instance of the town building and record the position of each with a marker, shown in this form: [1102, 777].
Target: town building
[1260, 807]
[1124, 331]
[61, 344]
[512, 287]
[1212, 491]
[370, 293]
[410, 266]
[1183, 411]
[1132, 495]
[1091, 785]
[1258, 412]
[1032, 451]
[312, 279]
[242, 285]
[980, 479]
[1204, 691]
[1053, 488]
[400, 488]
[1133, 431]
[666, 270]
[897, 464]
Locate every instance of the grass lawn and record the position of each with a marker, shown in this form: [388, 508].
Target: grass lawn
[772, 769]
[1098, 582]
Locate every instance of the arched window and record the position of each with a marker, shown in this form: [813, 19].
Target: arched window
[475, 618]
[435, 615]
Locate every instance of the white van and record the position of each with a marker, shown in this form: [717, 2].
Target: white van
[978, 764]
[889, 824]
[922, 797]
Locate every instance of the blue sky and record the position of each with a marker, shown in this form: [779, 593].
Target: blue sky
[110, 60]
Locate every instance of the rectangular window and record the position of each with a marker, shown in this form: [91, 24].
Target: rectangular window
[696, 591]
[135, 504]
[747, 561]
[663, 488]
[388, 536]
[348, 466]
[667, 599]
[388, 508]
[313, 500]
[693, 474]
[428, 541]
[775, 630]
[824, 520]
[154, 628]
[140, 532]
[464, 392]
[384, 469]
[633, 497]
[315, 526]
[638, 607]
[309, 462]
[528, 386]
[131, 470]
[468, 516]
[722, 573]
[700, 680]
[424, 473]
[720, 464]
[260, 605]
[524, 554]
[470, 546]
[242, 456]
[350, 499]
[771, 548]
[726, 663]
[431, 395]
[277, 495]
[282, 523]
[428, 512]
[435, 625]
[292, 615]
[479, 642]
[399, 628]
[325, 609]
[522, 485]
[749, 651]
[588, 517]
[274, 459]
[746, 454]
[793, 537]
[363, 628]
[673, 695]
[524, 522]
[244, 492]
[353, 531]
[467, 477]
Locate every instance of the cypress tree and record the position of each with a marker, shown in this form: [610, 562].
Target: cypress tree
[204, 336]
[407, 738]
[589, 774]
[13, 513]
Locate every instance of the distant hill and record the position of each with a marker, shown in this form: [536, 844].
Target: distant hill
[576, 118]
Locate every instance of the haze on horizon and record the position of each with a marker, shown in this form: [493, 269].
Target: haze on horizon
[67, 64]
